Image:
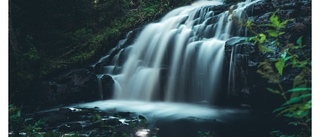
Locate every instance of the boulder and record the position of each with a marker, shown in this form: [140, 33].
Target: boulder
[74, 86]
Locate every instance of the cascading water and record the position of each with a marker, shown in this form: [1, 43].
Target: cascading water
[179, 58]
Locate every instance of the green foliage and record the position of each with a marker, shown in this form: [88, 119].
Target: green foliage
[81, 35]
[267, 71]
[297, 99]
[280, 65]
[205, 134]
[260, 39]
[33, 129]
[14, 117]
[82, 57]
[273, 32]
[299, 89]
[125, 134]
[32, 54]
[276, 25]
[19, 125]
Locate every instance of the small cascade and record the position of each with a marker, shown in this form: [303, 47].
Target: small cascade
[99, 77]
[178, 59]
[235, 50]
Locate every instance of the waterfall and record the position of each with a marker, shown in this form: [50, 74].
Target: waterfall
[178, 59]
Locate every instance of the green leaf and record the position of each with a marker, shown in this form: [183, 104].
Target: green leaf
[275, 23]
[293, 123]
[266, 69]
[286, 109]
[296, 99]
[280, 65]
[281, 33]
[300, 64]
[273, 33]
[308, 105]
[273, 91]
[299, 41]
[274, 20]
[248, 23]
[283, 24]
[287, 58]
[264, 49]
[308, 120]
[298, 89]
[301, 113]
[289, 115]
[253, 38]
[300, 80]
[262, 38]
[278, 109]
[19, 113]
[284, 54]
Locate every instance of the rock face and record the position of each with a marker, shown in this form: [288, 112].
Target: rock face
[247, 86]
[241, 61]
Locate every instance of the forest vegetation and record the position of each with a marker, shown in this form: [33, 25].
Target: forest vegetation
[47, 37]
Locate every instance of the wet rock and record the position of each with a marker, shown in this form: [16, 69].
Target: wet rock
[82, 83]
[123, 114]
[142, 117]
[75, 126]
[75, 116]
[232, 1]
[55, 118]
[260, 8]
[239, 53]
[121, 50]
[79, 85]
[220, 8]
[70, 127]
[65, 110]
[107, 83]
[113, 122]
[93, 125]
[64, 128]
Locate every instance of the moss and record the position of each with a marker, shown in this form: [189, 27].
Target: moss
[82, 56]
[87, 41]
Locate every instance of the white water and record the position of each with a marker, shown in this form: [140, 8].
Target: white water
[167, 110]
[179, 58]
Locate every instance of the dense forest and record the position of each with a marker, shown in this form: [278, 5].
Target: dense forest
[46, 37]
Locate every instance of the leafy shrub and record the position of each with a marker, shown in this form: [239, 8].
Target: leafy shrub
[296, 108]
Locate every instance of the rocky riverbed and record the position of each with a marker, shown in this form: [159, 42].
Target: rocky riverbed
[82, 122]
[141, 119]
